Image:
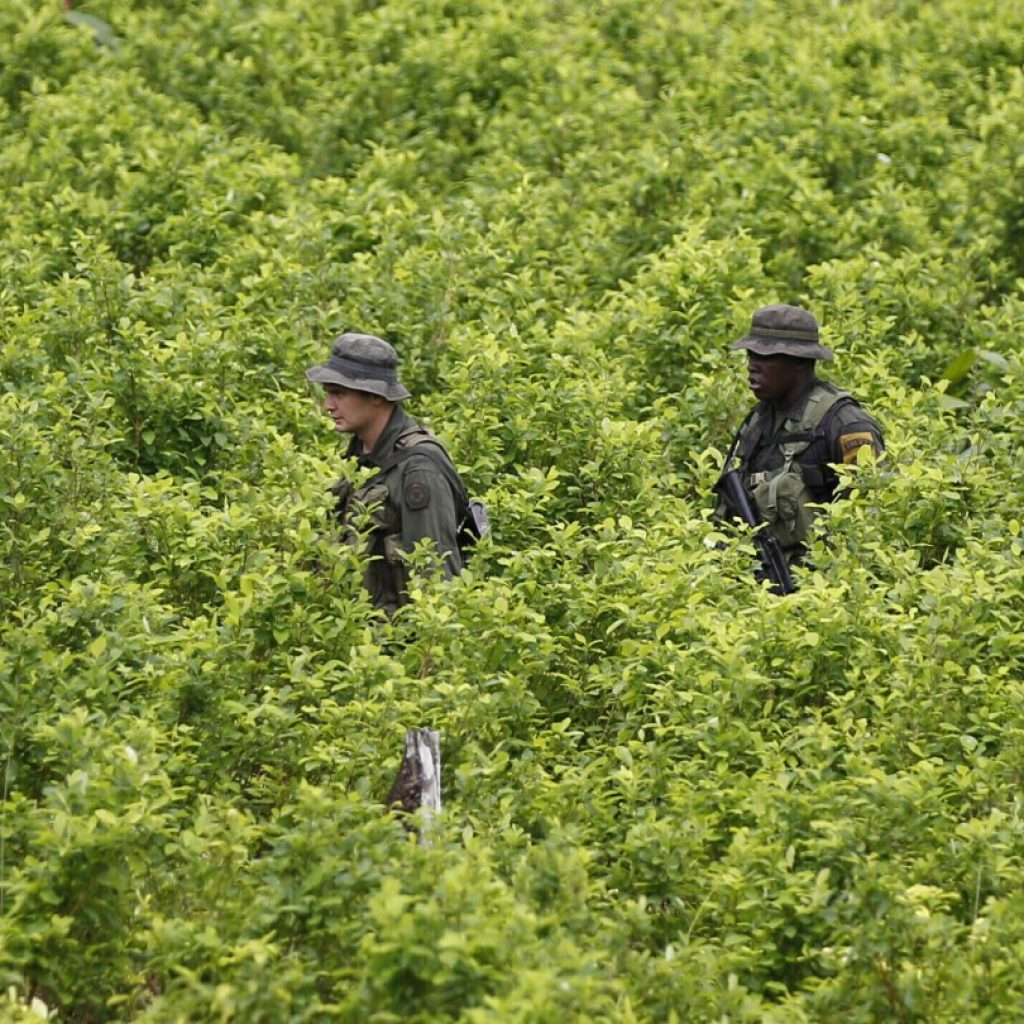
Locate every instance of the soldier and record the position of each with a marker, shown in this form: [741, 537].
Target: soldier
[799, 429]
[412, 496]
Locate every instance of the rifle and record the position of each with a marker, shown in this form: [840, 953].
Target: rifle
[774, 566]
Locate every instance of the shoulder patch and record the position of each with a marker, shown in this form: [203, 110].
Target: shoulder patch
[850, 444]
[416, 495]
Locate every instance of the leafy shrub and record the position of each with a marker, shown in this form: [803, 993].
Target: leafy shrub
[669, 795]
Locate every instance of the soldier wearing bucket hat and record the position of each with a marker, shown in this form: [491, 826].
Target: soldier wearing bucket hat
[801, 427]
[412, 495]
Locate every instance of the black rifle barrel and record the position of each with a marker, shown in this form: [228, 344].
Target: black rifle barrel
[769, 550]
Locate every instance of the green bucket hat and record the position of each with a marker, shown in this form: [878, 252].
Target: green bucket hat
[782, 330]
[362, 362]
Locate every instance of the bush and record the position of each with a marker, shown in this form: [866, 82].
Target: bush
[669, 795]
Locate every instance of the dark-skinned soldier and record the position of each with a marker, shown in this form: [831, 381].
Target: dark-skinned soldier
[410, 498]
[800, 429]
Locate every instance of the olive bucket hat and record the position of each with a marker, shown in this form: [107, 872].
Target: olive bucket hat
[784, 330]
[362, 362]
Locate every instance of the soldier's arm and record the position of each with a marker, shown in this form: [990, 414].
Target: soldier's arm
[428, 511]
[852, 429]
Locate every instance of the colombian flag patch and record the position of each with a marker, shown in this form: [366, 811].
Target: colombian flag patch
[851, 443]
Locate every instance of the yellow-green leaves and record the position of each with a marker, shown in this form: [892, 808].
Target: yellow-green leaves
[669, 795]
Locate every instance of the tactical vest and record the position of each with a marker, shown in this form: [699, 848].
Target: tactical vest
[386, 574]
[386, 539]
[788, 471]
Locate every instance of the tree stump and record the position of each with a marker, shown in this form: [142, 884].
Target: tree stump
[418, 783]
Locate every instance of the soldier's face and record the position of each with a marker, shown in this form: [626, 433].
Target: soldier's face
[772, 378]
[352, 411]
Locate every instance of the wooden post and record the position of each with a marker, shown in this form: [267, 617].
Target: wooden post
[418, 783]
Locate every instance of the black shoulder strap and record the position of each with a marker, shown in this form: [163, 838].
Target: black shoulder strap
[815, 429]
[434, 451]
[736, 439]
[821, 428]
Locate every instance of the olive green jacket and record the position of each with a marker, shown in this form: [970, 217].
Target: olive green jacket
[397, 508]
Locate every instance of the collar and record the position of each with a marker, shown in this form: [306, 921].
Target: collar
[400, 423]
[769, 422]
[795, 411]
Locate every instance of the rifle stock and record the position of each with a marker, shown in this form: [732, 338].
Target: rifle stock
[769, 550]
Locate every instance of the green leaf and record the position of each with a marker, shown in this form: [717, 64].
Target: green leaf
[102, 32]
[995, 359]
[960, 367]
[952, 402]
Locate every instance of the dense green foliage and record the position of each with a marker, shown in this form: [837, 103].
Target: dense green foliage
[669, 795]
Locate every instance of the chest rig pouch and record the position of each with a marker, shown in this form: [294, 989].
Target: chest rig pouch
[379, 498]
[784, 492]
[367, 513]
